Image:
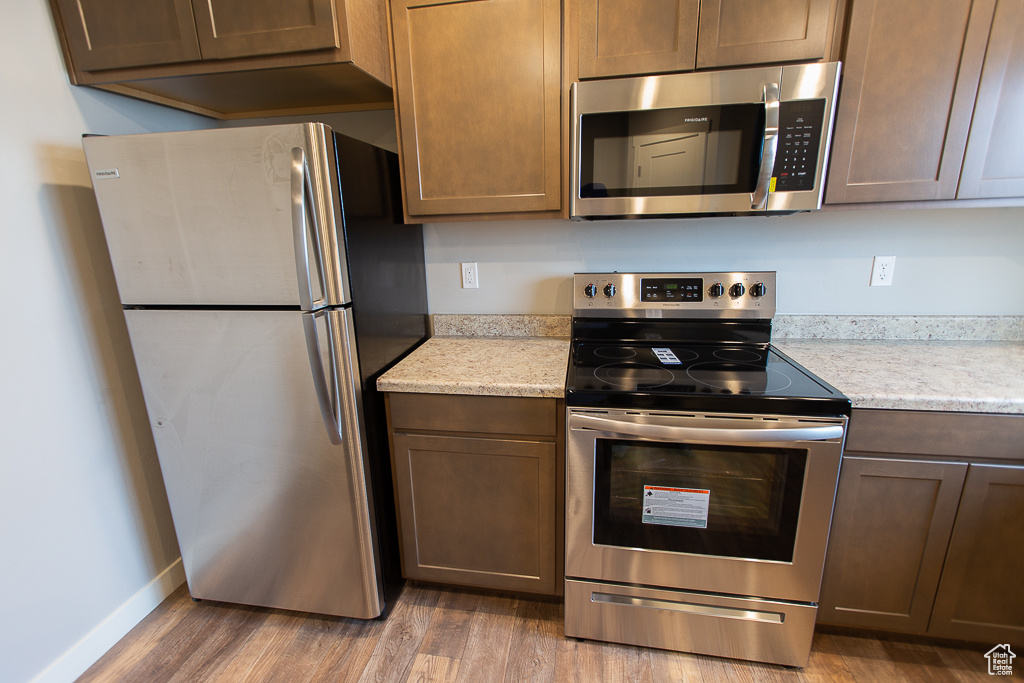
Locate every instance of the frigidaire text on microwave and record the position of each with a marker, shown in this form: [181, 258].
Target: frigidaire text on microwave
[749, 141]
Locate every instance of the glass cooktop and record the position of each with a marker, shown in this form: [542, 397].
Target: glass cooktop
[692, 376]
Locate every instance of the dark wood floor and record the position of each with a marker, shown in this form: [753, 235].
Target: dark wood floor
[451, 635]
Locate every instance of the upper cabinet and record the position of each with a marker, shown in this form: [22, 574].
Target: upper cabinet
[231, 58]
[628, 37]
[930, 102]
[108, 34]
[479, 107]
[994, 161]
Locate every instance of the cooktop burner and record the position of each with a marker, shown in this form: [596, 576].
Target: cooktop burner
[637, 343]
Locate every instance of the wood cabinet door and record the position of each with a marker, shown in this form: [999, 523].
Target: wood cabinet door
[477, 511]
[619, 37]
[981, 596]
[910, 76]
[890, 529]
[741, 32]
[242, 28]
[112, 34]
[478, 89]
[994, 161]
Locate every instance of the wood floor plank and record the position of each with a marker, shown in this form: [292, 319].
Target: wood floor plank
[490, 637]
[316, 638]
[257, 654]
[535, 635]
[675, 667]
[433, 669]
[399, 642]
[493, 638]
[127, 653]
[449, 626]
[826, 663]
[221, 642]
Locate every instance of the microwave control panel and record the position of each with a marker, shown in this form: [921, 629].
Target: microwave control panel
[796, 159]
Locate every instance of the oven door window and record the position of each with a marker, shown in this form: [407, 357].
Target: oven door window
[670, 152]
[729, 501]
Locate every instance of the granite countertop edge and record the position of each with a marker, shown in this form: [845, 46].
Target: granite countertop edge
[527, 355]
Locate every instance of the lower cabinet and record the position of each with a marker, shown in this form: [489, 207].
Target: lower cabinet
[929, 543]
[478, 486]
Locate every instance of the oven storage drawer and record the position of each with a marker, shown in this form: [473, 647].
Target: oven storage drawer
[762, 630]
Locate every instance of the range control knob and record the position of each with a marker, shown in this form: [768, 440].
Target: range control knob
[716, 290]
[590, 290]
[758, 290]
[609, 291]
[736, 291]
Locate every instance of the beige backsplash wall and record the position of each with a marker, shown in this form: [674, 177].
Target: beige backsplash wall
[948, 261]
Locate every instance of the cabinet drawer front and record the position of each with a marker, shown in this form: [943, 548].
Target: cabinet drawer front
[477, 511]
[735, 32]
[473, 414]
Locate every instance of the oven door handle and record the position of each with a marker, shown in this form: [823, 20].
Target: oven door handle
[713, 434]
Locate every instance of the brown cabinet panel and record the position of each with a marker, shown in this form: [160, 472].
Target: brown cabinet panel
[505, 415]
[111, 34]
[243, 28]
[477, 511]
[910, 76]
[981, 596]
[478, 90]
[994, 161]
[890, 528]
[741, 32]
[637, 36]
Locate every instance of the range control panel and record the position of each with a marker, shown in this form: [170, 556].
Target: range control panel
[674, 295]
[796, 158]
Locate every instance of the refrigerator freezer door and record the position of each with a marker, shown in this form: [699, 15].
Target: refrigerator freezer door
[206, 217]
[267, 511]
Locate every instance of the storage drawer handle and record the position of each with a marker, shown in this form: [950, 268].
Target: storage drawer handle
[690, 608]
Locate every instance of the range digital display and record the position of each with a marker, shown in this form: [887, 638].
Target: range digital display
[671, 289]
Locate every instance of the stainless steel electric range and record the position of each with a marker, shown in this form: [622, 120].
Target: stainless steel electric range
[701, 469]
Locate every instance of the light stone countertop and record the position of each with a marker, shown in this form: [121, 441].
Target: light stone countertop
[942, 366]
[955, 376]
[483, 366]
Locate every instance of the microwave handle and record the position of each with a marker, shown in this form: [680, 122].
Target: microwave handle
[717, 435]
[759, 197]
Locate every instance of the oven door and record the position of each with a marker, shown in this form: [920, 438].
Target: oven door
[729, 504]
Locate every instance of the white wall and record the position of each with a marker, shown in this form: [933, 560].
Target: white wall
[948, 261]
[84, 523]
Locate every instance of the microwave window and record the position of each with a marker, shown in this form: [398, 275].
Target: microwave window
[666, 152]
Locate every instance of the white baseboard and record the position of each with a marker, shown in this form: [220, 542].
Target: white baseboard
[95, 644]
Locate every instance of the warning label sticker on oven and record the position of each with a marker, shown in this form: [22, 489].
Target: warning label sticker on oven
[676, 507]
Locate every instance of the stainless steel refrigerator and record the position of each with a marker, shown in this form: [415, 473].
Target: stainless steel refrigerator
[267, 281]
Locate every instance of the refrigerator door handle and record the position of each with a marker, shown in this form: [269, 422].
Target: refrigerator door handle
[302, 197]
[320, 379]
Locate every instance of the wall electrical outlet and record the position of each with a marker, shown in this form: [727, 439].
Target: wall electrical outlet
[881, 271]
[469, 276]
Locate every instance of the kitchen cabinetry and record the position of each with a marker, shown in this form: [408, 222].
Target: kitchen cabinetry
[928, 528]
[479, 107]
[479, 489]
[229, 58]
[619, 37]
[911, 104]
[994, 161]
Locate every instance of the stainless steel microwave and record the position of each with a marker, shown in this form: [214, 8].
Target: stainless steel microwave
[749, 141]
